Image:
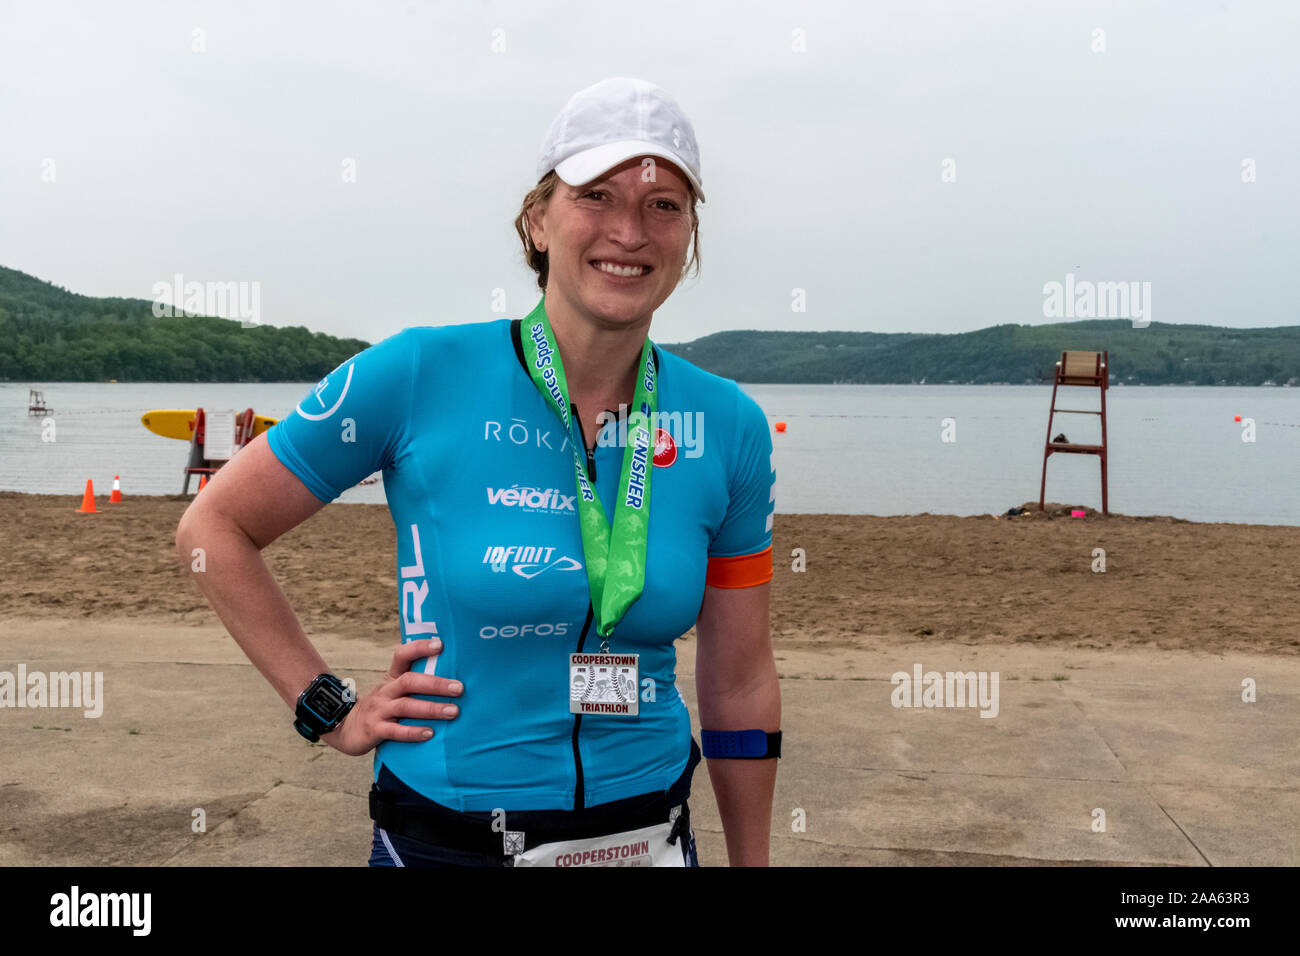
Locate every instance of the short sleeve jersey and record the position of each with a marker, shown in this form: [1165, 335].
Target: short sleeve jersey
[478, 474]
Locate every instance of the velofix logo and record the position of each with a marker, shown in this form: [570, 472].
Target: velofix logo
[528, 561]
[528, 498]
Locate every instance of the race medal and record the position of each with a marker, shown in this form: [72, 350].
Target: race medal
[604, 684]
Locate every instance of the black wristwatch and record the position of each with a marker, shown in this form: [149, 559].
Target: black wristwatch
[322, 706]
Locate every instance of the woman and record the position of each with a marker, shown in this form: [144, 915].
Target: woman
[568, 500]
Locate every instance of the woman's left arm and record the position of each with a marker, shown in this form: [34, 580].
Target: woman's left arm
[736, 685]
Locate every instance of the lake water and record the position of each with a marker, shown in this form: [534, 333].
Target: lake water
[848, 449]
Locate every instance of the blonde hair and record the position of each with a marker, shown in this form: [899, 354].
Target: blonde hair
[542, 192]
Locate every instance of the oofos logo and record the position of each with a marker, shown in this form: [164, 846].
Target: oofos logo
[524, 630]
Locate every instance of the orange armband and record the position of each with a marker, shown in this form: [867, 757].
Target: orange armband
[741, 571]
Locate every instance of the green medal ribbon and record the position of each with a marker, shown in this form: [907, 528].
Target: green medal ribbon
[615, 556]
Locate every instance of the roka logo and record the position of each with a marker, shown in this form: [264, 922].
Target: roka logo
[665, 449]
[528, 498]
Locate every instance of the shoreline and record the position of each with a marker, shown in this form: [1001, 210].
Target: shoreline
[1052, 510]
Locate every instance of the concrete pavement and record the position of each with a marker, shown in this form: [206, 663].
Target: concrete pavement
[1186, 772]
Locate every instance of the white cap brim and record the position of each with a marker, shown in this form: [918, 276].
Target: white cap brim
[582, 168]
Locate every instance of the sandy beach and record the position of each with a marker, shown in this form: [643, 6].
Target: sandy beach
[1120, 689]
[1168, 583]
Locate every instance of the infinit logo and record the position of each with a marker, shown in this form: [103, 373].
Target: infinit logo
[528, 561]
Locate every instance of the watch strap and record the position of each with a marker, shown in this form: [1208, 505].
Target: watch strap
[305, 730]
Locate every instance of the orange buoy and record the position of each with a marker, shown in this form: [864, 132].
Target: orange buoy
[117, 489]
[780, 426]
[88, 501]
[1236, 418]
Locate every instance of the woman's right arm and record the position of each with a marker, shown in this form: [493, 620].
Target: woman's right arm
[248, 503]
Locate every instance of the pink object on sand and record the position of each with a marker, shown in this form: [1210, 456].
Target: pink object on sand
[1077, 513]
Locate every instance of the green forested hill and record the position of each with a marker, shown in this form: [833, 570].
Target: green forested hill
[1159, 354]
[48, 333]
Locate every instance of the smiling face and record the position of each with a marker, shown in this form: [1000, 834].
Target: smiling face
[615, 246]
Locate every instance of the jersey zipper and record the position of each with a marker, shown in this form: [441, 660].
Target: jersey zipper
[579, 791]
[591, 459]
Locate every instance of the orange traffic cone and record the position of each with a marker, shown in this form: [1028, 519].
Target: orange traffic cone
[203, 480]
[88, 501]
[117, 489]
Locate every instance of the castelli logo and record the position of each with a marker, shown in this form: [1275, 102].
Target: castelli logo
[665, 449]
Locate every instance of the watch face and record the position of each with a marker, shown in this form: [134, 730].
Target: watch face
[327, 701]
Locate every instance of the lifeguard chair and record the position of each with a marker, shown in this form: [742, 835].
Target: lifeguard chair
[36, 403]
[217, 436]
[1090, 370]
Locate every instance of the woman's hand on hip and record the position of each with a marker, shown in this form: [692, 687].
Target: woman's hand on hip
[374, 717]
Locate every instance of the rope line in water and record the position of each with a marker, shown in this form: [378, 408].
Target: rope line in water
[987, 418]
[978, 418]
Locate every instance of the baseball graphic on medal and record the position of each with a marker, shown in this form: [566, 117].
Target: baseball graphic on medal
[604, 683]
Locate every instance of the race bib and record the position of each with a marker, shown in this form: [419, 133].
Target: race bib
[648, 846]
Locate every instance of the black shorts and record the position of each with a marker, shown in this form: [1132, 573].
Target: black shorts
[405, 818]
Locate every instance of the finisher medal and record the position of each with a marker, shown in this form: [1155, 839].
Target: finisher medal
[604, 683]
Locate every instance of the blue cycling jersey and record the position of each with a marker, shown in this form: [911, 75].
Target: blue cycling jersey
[478, 473]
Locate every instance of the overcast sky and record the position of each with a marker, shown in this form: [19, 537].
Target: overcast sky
[823, 167]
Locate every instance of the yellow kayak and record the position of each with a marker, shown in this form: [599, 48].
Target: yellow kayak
[179, 423]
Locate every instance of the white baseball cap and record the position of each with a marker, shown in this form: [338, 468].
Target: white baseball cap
[613, 121]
